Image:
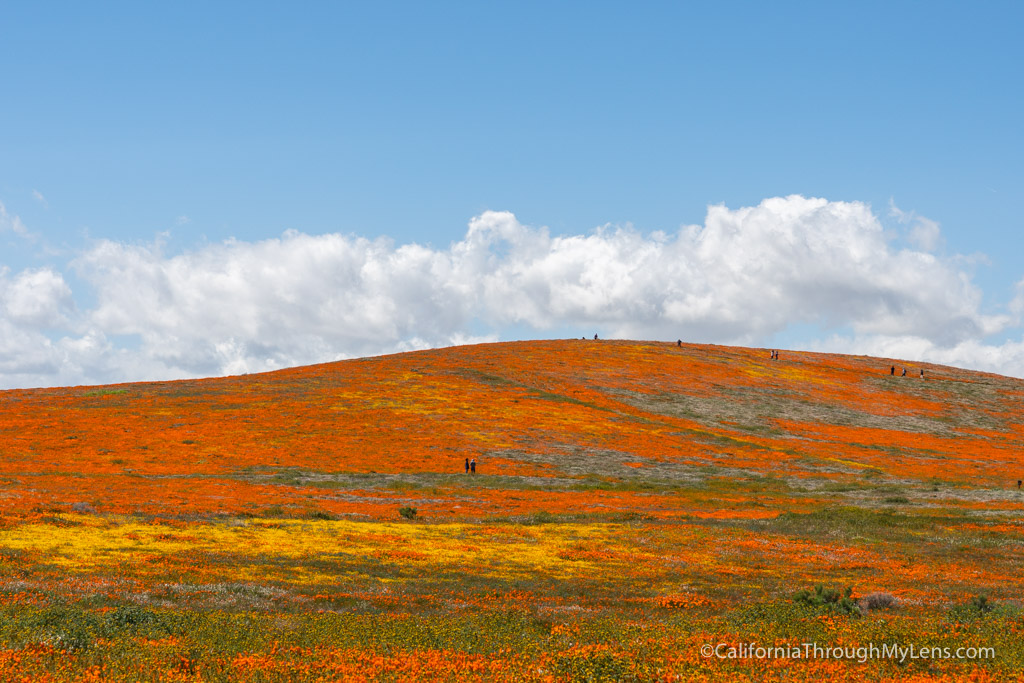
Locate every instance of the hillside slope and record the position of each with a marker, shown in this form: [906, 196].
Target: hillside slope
[580, 426]
[635, 505]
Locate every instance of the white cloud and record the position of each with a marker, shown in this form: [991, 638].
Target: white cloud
[1017, 303]
[256, 306]
[924, 233]
[24, 353]
[36, 299]
[12, 223]
[38, 196]
[745, 275]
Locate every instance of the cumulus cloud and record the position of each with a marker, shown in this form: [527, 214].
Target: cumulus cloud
[745, 275]
[256, 306]
[36, 299]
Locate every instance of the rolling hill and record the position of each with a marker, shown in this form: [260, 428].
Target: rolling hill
[581, 425]
[639, 511]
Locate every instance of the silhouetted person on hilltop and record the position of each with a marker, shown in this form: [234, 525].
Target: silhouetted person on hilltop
[679, 342]
[595, 337]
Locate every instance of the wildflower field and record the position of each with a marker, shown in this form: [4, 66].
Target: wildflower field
[640, 511]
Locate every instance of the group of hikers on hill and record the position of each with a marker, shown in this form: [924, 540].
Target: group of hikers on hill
[774, 355]
[892, 371]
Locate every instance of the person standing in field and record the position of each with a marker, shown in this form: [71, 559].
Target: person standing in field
[467, 465]
[472, 466]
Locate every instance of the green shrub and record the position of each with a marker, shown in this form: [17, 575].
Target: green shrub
[407, 512]
[981, 603]
[65, 627]
[975, 608]
[542, 517]
[131, 620]
[829, 599]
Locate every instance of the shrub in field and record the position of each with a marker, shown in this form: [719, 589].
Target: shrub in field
[541, 517]
[977, 607]
[878, 600]
[65, 627]
[407, 512]
[981, 603]
[829, 599]
[129, 619]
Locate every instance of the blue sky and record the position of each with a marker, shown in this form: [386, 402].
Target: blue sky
[170, 146]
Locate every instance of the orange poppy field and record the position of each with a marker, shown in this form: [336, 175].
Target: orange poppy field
[639, 511]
